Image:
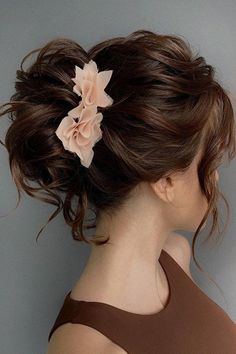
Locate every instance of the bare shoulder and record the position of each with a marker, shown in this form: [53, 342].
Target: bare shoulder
[179, 248]
[77, 338]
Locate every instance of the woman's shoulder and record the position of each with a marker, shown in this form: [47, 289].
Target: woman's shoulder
[81, 339]
[179, 248]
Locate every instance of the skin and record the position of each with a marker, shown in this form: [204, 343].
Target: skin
[129, 264]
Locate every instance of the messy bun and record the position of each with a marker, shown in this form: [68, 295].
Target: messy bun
[167, 104]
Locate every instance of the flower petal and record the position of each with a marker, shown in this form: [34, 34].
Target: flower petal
[76, 112]
[64, 128]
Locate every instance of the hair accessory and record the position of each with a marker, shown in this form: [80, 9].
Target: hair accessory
[80, 129]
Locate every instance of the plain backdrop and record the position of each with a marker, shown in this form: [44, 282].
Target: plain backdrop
[35, 277]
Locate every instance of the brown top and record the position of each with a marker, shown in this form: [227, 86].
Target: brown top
[190, 322]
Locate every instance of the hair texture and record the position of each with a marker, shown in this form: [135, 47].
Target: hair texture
[167, 105]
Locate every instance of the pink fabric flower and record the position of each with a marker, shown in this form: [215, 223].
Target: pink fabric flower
[90, 84]
[80, 137]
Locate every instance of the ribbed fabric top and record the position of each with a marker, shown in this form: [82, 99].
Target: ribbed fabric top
[190, 322]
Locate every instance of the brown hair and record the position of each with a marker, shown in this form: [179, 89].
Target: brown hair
[167, 105]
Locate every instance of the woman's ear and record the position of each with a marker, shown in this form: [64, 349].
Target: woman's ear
[164, 188]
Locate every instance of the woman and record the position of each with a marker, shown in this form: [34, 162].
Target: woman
[137, 128]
